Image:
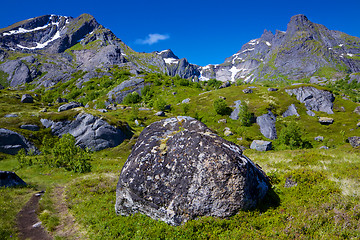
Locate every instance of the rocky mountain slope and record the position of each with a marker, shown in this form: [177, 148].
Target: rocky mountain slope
[304, 50]
[48, 49]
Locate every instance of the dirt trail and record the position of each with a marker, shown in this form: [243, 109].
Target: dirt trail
[28, 223]
[68, 228]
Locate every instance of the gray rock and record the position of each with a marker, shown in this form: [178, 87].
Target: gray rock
[247, 90]
[102, 110]
[235, 113]
[318, 80]
[314, 99]
[228, 133]
[354, 141]
[30, 127]
[61, 100]
[323, 147]
[179, 170]
[89, 131]
[222, 121]
[357, 110]
[289, 182]
[272, 89]
[11, 142]
[69, 106]
[160, 114]
[326, 120]
[136, 122]
[144, 109]
[27, 98]
[225, 85]
[187, 100]
[267, 125]
[291, 111]
[10, 179]
[260, 145]
[319, 138]
[11, 115]
[117, 94]
[310, 113]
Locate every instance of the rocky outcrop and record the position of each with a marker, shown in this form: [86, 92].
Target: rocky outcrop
[267, 125]
[10, 179]
[89, 131]
[291, 111]
[313, 98]
[354, 141]
[11, 142]
[260, 145]
[69, 106]
[179, 170]
[135, 84]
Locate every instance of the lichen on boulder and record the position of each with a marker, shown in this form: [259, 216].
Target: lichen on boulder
[180, 170]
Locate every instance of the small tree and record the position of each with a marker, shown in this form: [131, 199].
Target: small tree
[245, 116]
[160, 104]
[290, 137]
[221, 107]
[132, 98]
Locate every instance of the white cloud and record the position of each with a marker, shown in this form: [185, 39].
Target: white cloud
[152, 38]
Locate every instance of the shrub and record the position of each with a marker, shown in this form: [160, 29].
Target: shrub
[214, 83]
[160, 104]
[290, 137]
[22, 159]
[132, 98]
[245, 116]
[66, 154]
[221, 107]
[185, 108]
[147, 93]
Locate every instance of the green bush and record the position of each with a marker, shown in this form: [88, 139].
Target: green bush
[132, 98]
[290, 138]
[160, 104]
[69, 156]
[221, 107]
[214, 83]
[22, 159]
[246, 118]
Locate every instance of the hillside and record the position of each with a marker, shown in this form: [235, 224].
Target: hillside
[75, 100]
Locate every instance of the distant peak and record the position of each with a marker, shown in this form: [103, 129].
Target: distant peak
[167, 54]
[299, 19]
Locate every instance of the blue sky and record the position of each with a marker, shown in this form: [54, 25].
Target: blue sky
[204, 32]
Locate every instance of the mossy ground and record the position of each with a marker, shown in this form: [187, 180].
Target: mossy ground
[323, 205]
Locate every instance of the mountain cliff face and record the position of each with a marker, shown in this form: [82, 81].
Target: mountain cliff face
[304, 50]
[48, 49]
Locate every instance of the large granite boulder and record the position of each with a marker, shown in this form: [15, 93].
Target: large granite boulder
[134, 84]
[180, 170]
[89, 131]
[11, 142]
[313, 98]
[10, 179]
[267, 125]
[27, 98]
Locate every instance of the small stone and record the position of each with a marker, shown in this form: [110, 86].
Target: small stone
[310, 113]
[272, 89]
[357, 110]
[221, 97]
[354, 141]
[27, 98]
[144, 109]
[36, 225]
[10, 115]
[226, 129]
[222, 121]
[174, 93]
[319, 138]
[358, 124]
[137, 122]
[187, 100]
[102, 110]
[69, 106]
[247, 90]
[260, 145]
[160, 114]
[30, 127]
[326, 120]
[228, 133]
[324, 147]
[289, 182]
[43, 110]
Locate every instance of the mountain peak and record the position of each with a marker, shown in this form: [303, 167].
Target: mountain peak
[167, 54]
